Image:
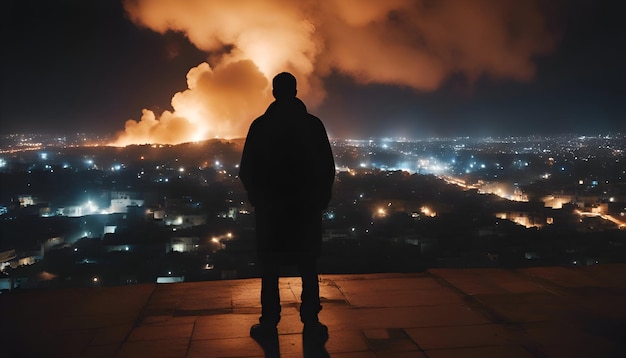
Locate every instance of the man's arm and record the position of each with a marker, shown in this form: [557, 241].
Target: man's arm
[327, 169]
[246, 166]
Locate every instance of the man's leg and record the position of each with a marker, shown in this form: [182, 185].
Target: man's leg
[310, 291]
[270, 296]
[265, 330]
[314, 332]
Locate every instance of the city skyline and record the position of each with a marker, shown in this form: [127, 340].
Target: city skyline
[435, 203]
[74, 66]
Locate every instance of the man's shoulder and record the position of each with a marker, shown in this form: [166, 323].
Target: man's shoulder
[314, 120]
[258, 121]
[275, 115]
[313, 117]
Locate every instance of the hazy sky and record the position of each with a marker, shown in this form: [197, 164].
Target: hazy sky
[183, 70]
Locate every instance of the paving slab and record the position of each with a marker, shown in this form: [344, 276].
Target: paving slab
[483, 352]
[429, 338]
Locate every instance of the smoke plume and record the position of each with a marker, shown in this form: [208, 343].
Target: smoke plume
[412, 43]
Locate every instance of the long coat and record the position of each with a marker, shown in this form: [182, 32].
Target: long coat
[288, 170]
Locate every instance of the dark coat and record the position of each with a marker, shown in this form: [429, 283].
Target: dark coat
[288, 170]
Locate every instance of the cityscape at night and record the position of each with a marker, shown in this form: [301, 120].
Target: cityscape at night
[355, 178]
[84, 214]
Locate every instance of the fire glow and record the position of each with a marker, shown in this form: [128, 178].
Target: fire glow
[409, 43]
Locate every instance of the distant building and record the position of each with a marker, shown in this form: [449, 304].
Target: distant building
[185, 220]
[72, 211]
[230, 214]
[122, 205]
[525, 219]
[50, 243]
[122, 200]
[182, 244]
[158, 214]
[556, 201]
[25, 200]
[6, 257]
[110, 229]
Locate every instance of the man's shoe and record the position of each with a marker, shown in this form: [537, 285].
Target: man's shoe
[262, 331]
[266, 335]
[315, 331]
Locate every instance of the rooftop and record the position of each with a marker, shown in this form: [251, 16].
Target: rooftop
[530, 312]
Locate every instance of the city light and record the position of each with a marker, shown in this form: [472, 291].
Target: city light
[90, 207]
[428, 212]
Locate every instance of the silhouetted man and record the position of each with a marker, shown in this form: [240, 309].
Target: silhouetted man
[288, 170]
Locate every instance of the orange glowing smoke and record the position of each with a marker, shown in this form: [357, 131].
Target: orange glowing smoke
[412, 43]
[218, 103]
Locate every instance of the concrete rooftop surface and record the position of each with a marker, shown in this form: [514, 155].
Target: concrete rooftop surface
[440, 313]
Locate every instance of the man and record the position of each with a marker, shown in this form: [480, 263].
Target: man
[288, 170]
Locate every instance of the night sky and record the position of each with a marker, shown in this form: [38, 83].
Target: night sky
[72, 66]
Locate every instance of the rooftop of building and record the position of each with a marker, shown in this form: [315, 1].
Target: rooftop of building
[529, 312]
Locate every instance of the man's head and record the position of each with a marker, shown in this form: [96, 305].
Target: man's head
[284, 86]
